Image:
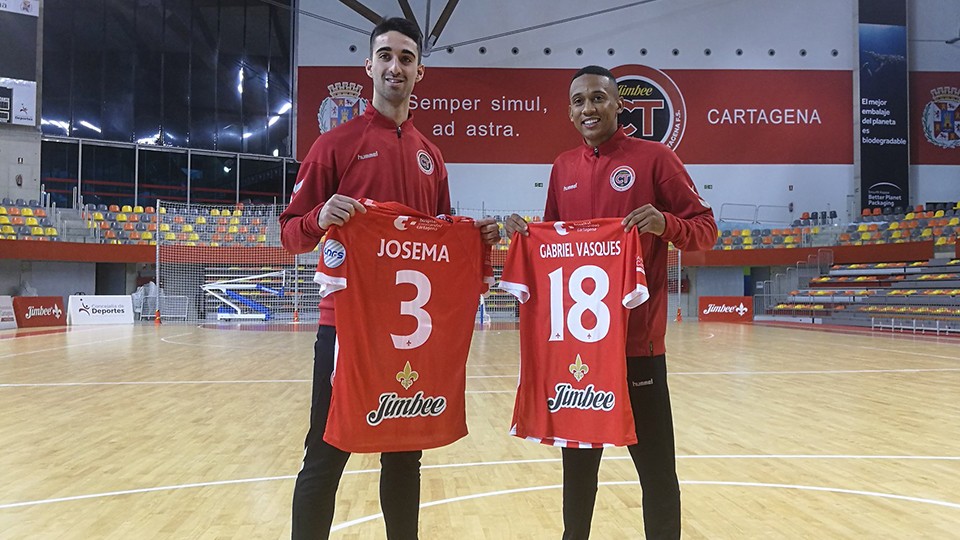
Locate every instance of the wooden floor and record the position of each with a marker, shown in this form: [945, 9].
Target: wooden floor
[185, 432]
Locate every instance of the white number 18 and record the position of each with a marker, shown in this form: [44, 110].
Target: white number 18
[592, 302]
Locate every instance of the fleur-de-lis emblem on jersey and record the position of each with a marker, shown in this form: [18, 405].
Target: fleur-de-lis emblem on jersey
[579, 369]
[407, 376]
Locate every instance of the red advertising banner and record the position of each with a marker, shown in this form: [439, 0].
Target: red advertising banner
[737, 309]
[934, 111]
[34, 311]
[500, 115]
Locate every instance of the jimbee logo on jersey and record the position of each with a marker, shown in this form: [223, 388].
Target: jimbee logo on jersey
[391, 405]
[653, 107]
[425, 162]
[622, 178]
[568, 397]
[343, 104]
[333, 253]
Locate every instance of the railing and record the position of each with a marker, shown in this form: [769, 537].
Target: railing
[914, 325]
[751, 213]
[776, 290]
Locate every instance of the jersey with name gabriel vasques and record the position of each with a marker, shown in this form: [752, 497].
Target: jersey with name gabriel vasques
[409, 287]
[576, 281]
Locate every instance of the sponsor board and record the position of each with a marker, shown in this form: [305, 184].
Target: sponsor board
[18, 102]
[37, 311]
[738, 309]
[512, 115]
[7, 319]
[30, 8]
[100, 309]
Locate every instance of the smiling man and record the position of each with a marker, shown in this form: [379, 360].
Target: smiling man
[381, 156]
[643, 182]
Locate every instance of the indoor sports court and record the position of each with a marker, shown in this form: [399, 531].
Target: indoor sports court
[158, 331]
[195, 432]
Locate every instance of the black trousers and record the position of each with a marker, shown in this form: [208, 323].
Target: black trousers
[654, 456]
[314, 495]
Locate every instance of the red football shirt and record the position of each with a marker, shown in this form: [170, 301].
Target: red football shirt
[575, 281]
[410, 289]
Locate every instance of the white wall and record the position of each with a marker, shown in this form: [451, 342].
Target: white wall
[19, 155]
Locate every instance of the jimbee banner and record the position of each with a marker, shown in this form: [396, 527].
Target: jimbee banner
[512, 115]
[884, 150]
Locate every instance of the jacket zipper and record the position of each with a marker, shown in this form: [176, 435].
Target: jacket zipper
[403, 168]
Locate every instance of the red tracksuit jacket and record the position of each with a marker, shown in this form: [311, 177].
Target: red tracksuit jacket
[370, 157]
[612, 180]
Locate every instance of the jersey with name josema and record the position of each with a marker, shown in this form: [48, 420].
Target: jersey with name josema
[409, 290]
[576, 282]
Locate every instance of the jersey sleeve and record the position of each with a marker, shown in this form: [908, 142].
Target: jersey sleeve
[515, 269]
[634, 275]
[331, 272]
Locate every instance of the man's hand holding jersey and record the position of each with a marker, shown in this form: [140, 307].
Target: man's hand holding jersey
[338, 210]
[489, 230]
[515, 223]
[646, 219]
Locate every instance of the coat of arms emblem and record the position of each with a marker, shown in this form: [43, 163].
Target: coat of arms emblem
[343, 104]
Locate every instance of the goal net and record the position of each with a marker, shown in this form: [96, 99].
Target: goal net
[223, 263]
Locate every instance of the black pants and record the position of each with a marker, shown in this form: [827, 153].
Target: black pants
[654, 456]
[314, 495]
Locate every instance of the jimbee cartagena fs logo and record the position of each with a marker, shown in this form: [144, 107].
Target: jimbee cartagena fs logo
[653, 107]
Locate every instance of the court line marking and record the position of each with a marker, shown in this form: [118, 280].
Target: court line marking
[71, 345]
[870, 348]
[358, 521]
[468, 464]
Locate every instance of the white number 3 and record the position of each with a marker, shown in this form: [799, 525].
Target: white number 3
[414, 308]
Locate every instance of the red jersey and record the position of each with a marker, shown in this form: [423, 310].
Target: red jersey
[371, 157]
[410, 288]
[612, 180]
[576, 282]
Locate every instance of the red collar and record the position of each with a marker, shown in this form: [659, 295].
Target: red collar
[379, 120]
[608, 146]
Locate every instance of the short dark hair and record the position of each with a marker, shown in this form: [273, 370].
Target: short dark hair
[595, 70]
[399, 24]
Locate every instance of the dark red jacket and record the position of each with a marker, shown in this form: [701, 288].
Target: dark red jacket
[616, 178]
[370, 157]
